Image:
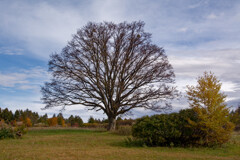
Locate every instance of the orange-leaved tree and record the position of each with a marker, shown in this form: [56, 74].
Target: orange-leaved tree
[206, 99]
[27, 121]
[53, 121]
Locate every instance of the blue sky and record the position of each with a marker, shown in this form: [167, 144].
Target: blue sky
[198, 36]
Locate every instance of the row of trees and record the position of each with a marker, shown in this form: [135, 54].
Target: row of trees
[27, 117]
[30, 118]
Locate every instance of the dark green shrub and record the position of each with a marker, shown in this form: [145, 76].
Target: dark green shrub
[6, 132]
[188, 132]
[91, 120]
[9, 132]
[166, 129]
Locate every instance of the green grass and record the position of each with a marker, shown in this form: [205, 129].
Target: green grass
[77, 144]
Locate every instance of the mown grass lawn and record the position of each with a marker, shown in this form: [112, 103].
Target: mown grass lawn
[77, 144]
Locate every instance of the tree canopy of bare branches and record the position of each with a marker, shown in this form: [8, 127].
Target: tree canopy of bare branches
[110, 67]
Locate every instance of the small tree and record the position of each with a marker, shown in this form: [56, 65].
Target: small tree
[17, 115]
[52, 121]
[78, 120]
[7, 115]
[43, 119]
[71, 120]
[91, 120]
[28, 122]
[209, 104]
[60, 120]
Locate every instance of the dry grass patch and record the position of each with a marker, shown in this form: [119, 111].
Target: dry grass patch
[73, 144]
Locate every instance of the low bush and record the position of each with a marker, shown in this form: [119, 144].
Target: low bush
[20, 131]
[6, 132]
[166, 129]
[9, 132]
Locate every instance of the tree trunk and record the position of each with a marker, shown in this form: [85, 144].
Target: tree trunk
[111, 124]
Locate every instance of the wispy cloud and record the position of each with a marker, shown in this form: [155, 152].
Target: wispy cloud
[211, 16]
[11, 51]
[197, 4]
[24, 79]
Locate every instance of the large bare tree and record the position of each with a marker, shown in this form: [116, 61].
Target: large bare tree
[110, 67]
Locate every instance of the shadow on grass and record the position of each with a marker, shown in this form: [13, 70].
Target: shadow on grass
[128, 142]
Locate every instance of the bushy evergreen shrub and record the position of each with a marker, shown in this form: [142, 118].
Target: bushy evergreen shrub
[165, 129]
[9, 132]
[6, 132]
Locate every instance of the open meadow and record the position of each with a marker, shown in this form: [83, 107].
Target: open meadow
[78, 144]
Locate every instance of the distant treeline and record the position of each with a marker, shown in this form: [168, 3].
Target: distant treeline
[29, 119]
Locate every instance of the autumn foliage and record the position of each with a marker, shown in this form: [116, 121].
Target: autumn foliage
[53, 121]
[208, 102]
[28, 122]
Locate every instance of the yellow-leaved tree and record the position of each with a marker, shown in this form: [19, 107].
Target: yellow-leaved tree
[206, 99]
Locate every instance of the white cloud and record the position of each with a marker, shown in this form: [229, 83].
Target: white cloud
[24, 79]
[11, 51]
[212, 16]
[45, 27]
[184, 29]
[10, 80]
[198, 4]
[230, 86]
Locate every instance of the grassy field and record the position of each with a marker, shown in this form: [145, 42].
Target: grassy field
[76, 144]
